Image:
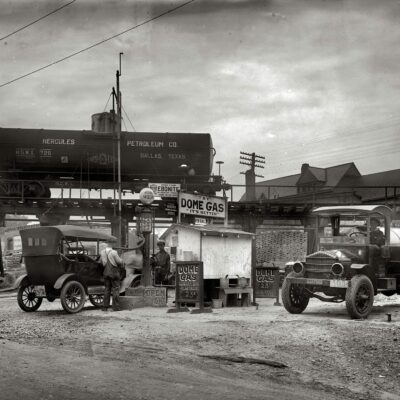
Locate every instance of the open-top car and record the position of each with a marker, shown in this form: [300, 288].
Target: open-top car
[61, 262]
[355, 260]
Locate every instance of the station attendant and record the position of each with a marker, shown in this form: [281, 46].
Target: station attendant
[161, 264]
[112, 278]
[376, 236]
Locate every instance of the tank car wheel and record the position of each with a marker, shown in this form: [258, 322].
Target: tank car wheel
[97, 300]
[293, 297]
[27, 299]
[359, 297]
[73, 297]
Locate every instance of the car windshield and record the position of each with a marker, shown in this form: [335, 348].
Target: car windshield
[72, 247]
[352, 229]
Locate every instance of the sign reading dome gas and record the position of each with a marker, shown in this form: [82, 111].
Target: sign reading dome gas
[202, 206]
[146, 196]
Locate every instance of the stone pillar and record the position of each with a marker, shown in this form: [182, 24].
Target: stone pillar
[122, 236]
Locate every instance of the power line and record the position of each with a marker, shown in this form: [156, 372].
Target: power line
[109, 97]
[98, 43]
[127, 116]
[37, 20]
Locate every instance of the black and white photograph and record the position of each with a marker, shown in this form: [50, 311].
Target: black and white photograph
[199, 199]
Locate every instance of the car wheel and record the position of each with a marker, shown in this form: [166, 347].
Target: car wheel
[293, 297]
[73, 297]
[27, 299]
[359, 297]
[135, 283]
[97, 300]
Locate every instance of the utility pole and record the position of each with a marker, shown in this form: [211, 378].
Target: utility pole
[253, 161]
[119, 126]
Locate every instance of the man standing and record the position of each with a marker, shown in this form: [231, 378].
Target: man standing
[162, 264]
[112, 278]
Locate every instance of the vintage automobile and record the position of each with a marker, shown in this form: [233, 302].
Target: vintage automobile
[63, 262]
[350, 264]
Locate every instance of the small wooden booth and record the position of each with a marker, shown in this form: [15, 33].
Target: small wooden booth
[225, 254]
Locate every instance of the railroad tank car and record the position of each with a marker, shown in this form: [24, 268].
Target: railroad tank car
[49, 155]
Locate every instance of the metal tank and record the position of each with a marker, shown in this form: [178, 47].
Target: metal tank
[91, 155]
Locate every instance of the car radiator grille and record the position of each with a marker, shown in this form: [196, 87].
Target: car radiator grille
[319, 267]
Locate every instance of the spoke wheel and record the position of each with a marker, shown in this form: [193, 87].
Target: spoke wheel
[73, 297]
[359, 297]
[293, 297]
[97, 300]
[27, 299]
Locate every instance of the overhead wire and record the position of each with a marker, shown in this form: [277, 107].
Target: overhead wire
[127, 116]
[109, 97]
[98, 43]
[37, 20]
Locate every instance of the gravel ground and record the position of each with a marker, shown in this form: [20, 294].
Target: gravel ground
[328, 355]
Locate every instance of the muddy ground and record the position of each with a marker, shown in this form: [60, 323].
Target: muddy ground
[149, 354]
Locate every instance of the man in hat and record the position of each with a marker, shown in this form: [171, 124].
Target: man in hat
[161, 264]
[112, 278]
[376, 236]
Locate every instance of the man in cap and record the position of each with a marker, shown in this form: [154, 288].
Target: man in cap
[112, 278]
[162, 264]
[376, 236]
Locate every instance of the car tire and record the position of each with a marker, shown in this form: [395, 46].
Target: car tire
[27, 299]
[293, 298]
[97, 300]
[359, 297]
[136, 283]
[73, 297]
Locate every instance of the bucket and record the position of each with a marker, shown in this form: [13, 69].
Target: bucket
[216, 303]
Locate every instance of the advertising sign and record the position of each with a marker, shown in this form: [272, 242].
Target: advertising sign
[266, 282]
[165, 189]
[189, 282]
[202, 206]
[146, 196]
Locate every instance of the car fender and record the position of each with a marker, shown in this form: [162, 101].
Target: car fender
[20, 280]
[367, 270]
[62, 279]
[128, 281]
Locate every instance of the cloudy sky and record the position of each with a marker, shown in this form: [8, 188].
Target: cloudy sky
[293, 80]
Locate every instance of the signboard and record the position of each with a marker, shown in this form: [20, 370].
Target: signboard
[148, 296]
[165, 189]
[146, 196]
[189, 282]
[202, 206]
[266, 282]
[171, 208]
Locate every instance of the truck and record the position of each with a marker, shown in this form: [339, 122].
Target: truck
[357, 257]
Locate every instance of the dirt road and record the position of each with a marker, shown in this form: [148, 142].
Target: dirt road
[149, 354]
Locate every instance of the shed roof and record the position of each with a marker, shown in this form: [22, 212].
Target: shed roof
[367, 209]
[211, 230]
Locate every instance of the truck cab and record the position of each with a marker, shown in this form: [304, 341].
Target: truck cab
[356, 258]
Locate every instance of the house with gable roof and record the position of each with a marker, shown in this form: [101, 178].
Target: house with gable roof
[339, 184]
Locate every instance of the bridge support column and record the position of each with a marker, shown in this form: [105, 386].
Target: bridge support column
[122, 236]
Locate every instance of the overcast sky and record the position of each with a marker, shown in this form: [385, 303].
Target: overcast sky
[297, 81]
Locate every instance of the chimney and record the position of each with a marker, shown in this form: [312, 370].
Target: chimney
[304, 168]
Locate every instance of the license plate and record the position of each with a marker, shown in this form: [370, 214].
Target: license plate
[40, 291]
[338, 284]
